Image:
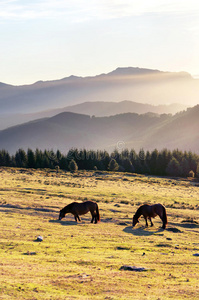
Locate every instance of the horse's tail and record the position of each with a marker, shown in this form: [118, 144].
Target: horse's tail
[97, 212]
[164, 217]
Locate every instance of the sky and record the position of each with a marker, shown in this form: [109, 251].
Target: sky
[48, 40]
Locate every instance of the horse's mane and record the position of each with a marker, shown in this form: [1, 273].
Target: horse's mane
[138, 212]
[69, 206]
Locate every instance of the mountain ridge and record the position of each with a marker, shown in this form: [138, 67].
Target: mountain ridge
[70, 130]
[133, 84]
[118, 72]
[99, 109]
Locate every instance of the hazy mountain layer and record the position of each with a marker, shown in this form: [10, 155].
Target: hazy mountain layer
[134, 84]
[98, 109]
[69, 130]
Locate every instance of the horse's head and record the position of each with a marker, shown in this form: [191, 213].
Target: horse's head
[61, 214]
[135, 221]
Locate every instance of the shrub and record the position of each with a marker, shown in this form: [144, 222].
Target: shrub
[191, 174]
[73, 167]
[113, 165]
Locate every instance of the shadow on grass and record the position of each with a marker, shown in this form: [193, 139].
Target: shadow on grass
[27, 210]
[185, 225]
[141, 231]
[8, 206]
[64, 223]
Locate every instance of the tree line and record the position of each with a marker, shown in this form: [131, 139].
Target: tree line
[162, 163]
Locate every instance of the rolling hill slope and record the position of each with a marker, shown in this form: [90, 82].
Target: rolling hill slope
[181, 132]
[102, 108]
[68, 130]
[98, 109]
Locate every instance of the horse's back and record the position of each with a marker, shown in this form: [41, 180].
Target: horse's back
[69, 207]
[158, 206]
[84, 207]
[159, 209]
[90, 204]
[151, 210]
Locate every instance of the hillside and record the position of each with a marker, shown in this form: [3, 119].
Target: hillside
[102, 109]
[68, 130]
[181, 132]
[98, 109]
[133, 84]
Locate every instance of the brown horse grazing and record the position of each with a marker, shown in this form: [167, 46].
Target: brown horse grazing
[77, 209]
[151, 211]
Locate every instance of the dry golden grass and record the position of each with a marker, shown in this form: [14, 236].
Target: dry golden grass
[83, 261]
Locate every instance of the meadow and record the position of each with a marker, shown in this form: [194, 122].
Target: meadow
[84, 260]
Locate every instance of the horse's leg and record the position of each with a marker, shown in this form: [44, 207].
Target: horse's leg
[163, 223]
[77, 218]
[151, 222]
[93, 215]
[95, 219]
[146, 222]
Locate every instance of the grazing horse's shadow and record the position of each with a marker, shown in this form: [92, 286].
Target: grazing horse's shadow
[141, 231]
[64, 223]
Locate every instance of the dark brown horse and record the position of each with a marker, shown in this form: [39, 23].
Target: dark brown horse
[77, 209]
[151, 211]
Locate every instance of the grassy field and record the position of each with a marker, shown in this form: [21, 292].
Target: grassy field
[83, 260]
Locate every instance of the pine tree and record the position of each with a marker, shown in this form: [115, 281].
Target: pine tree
[174, 168]
[31, 163]
[153, 162]
[5, 159]
[39, 159]
[63, 163]
[197, 170]
[127, 165]
[185, 167]
[147, 160]
[163, 159]
[21, 159]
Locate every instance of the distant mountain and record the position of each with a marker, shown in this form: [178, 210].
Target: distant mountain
[133, 84]
[102, 109]
[69, 130]
[98, 109]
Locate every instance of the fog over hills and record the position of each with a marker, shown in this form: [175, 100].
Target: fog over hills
[98, 109]
[133, 84]
[69, 130]
[128, 106]
[101, 108]
[130, 86]
[181, 132]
